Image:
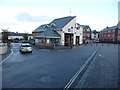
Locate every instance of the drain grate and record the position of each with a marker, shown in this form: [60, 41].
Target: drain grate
[45, 79]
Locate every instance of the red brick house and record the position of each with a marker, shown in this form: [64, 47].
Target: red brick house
[86, 33]
[109, 35]
[118, 31]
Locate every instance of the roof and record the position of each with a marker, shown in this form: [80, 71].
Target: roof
[61, 22]
[118, 24]
[49, 34]
[81, 25]
[58, 23]
[17, 34]
[40, 28]
[94, 31]
[25, 44]
[110, 28]
[78, 24]
[87, 26]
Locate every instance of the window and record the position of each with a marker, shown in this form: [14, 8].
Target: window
[36, 40]
[108, 35]
[47, 41]
[68, 30]
[84, 34]
[78, 28]
[71, 27]
[54, 40]
[113, 35]
[75, 25]
[53, 25]
[46, 26]
[87, 28]
[109, 31]
[113, 30]
[40, 40]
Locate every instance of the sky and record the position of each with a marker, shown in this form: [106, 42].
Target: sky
[26, 15]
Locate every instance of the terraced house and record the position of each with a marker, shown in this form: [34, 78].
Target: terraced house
[110, 35]
[61, 31]
[86, 33]
[118, 31]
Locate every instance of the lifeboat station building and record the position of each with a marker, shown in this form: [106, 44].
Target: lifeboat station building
[61, 31]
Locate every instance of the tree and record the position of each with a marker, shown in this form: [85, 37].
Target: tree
[5, 34]
[16, 38]
[25, 36]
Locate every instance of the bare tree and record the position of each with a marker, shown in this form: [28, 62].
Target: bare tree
[5, 34]
[25, 36]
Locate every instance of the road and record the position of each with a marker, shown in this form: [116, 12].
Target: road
[43, 68]
[47, 68]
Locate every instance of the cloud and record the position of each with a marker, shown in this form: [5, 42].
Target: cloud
[21, 15]
[26, 19]
[29, 18]
[56, 1]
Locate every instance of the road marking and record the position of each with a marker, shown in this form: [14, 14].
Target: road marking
[94, 58]
[16, 53]
[44, 50]
[100, 55]
[7, 57]
[79, 71]
[60, 50]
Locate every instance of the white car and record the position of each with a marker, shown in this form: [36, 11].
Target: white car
[25, 47]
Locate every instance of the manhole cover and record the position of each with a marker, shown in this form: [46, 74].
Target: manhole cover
[45, 79]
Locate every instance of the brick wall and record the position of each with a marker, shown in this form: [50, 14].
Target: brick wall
[109, 35]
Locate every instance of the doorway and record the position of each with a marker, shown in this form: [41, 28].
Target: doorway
[77, 40]
[68, 39]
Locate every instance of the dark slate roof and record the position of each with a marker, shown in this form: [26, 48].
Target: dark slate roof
[110, 28]
[82, 25]
[49, 34]
[94, 31]
[87, 26]
[78, 24]
[118, 24]
[40, 28]
[17, 34]
[59, 24]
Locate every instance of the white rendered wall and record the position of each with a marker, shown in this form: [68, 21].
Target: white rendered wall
[68, 26]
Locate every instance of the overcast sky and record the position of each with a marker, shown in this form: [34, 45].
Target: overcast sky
[27, 15]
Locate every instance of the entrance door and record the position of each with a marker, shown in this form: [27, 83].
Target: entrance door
[68, 39]
[77, 40]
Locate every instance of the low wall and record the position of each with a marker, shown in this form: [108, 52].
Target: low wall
[3, 48]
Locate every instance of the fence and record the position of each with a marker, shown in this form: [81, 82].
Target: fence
[3, 48]
[102, 44]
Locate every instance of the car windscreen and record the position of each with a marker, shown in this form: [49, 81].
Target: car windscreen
[25, 45]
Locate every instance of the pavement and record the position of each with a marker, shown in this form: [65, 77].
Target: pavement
[6, 54]
[103, 70]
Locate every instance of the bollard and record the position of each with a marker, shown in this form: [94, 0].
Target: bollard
[71, 47]
[96, 44]
[91, 44]
[102, 44]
